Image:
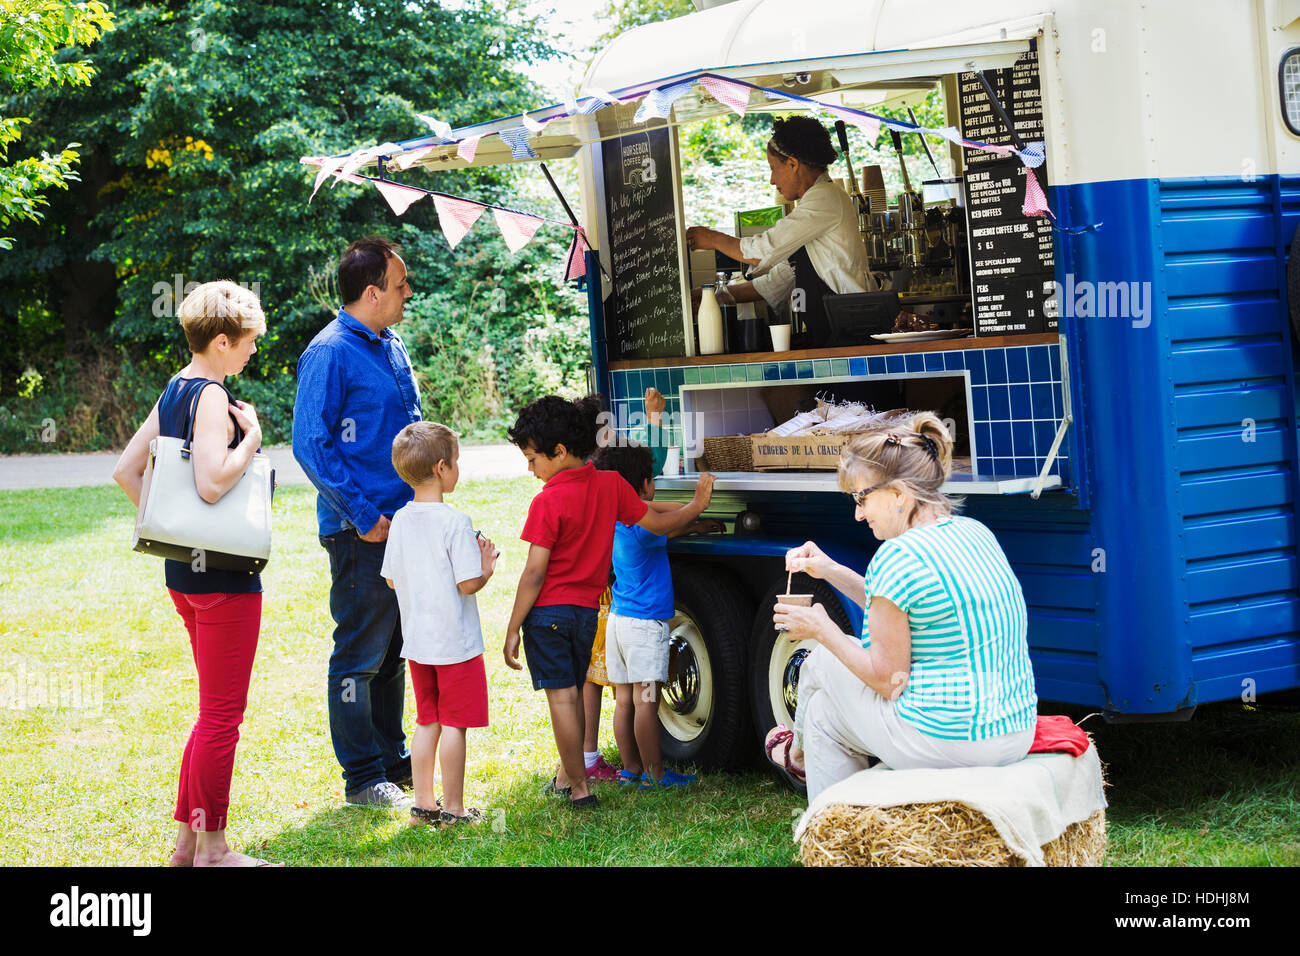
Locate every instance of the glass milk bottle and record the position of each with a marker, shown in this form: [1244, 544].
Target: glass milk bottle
[711, 341]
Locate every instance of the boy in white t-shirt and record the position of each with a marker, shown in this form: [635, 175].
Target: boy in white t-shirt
[436, 561]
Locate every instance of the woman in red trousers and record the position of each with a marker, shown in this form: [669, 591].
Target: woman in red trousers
[222, 610]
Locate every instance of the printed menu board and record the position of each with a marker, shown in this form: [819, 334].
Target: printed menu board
[1012, 254]
[643, 313]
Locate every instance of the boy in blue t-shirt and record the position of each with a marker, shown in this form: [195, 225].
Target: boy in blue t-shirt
[636, 632]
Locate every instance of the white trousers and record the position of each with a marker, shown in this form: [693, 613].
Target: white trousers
[841, 723]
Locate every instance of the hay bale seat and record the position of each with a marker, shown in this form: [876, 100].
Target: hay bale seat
[934, 834]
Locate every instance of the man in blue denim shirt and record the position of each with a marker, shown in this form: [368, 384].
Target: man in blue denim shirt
[356, 391]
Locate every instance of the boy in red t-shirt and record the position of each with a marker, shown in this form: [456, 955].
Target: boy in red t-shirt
[570, 531]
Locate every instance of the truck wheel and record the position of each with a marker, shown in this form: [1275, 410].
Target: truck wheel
[702, 715]
[775, 661]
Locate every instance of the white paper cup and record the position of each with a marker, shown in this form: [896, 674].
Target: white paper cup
[798, 600]
[780, 337]
[673, 463]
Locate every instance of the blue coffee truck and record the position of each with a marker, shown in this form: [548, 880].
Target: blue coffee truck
[1125, 411]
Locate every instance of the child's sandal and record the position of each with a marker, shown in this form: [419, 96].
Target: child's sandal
[472, 815]
[421, 817]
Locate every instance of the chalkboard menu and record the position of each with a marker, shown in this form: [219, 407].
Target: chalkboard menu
[643, 314]
[1011, 254]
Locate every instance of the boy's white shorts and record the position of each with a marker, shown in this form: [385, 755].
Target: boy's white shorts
[635, 650]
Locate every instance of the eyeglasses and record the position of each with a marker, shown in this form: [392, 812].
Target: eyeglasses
[860, 497]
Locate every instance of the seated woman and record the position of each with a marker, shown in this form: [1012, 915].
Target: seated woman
[941, 676]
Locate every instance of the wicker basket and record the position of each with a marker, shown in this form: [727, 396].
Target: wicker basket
[729, 453]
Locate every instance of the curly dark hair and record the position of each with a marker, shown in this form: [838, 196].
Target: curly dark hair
[805, 139]
[364, 263]
[636, 463]
[552, 421]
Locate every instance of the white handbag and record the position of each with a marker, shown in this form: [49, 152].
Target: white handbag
[174, 522]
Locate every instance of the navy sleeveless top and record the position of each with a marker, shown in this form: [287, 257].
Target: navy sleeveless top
[173, 419]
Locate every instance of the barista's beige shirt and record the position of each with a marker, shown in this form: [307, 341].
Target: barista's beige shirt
[827, 224]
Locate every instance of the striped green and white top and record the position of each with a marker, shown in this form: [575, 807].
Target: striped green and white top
[970, 678]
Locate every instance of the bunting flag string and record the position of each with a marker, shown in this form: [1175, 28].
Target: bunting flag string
[456, 216]
[657, 103]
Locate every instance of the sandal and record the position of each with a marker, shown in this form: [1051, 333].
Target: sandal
[778, 735]
[556, 791]
[421, 817]
[472, 815]
[589, 802]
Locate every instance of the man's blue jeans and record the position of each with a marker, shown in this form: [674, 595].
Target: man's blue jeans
[367, 676]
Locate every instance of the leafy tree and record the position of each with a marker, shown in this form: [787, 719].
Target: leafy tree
[193, 134]
[33, 34]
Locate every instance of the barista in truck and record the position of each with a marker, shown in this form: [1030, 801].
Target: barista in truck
[815, 250]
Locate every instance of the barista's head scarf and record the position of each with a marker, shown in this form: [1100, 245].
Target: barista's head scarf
[804, 139]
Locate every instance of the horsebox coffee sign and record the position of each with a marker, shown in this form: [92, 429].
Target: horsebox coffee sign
[1011, 254]
[643, 314]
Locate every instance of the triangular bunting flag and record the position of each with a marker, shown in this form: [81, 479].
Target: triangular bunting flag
[516, 228]
[576, 262]
[456, 217]
[1035, 201]
[408, 159]
[869, 125]
[532, 125]
[328, 166]
[468, 147]
[727, 93]
[517, 139]
[596, 99]
[1033, 155]
[659, 103]
[438, 126]
[399, 197]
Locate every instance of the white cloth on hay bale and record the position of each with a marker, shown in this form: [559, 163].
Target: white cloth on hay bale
[1029, 803]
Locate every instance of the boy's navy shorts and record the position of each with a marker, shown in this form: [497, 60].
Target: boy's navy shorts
[557, 644]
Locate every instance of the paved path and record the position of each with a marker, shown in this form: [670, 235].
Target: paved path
[96, 468]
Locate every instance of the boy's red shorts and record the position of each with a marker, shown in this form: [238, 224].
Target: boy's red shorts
[454, 695]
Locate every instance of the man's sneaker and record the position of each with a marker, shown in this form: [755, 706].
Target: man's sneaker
[600, 770]
[382, 796]
[669, 779]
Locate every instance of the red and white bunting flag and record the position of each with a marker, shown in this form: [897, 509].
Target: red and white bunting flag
[576, 262]
[399, 197]
[869, 125]
[456, 217]
[516, 228]
[409, 159]
[1035, 199]
[328, 166]
[468, 147]
[726, 92]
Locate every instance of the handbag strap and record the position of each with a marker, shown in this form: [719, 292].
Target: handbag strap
[194, 408]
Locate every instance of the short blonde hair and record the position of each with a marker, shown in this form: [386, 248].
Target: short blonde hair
[913, 452]
[220, 308]
[419, 447]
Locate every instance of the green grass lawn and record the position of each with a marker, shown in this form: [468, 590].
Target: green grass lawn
[89, 765]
